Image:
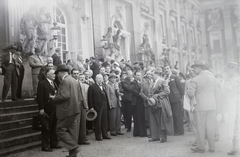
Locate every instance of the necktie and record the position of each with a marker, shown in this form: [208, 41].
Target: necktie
[52, 84]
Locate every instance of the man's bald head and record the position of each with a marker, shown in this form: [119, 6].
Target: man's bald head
[99, 78]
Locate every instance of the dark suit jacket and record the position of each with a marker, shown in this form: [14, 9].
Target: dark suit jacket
[95, 68]
[56, 59]
[176, 89]
[127, 95]
[135, 88]
[96, 96]
[5, 62]
[105, 64]
[43, 91]
[66, 99]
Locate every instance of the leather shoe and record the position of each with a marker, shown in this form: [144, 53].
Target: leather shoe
[163, 140]
[73, 152]
[113, 134]
[119, 133]
[55, 147]
[152, 140]
[196, 150]
[99, 139]
[47, 150]
[233, 152]
[107, 138]
[84, 143]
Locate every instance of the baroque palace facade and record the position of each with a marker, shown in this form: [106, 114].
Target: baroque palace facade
[174, 32]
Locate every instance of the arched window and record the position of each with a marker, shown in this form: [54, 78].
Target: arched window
[62, 38]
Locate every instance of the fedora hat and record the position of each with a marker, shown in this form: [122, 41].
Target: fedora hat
[112, 75]
[200, 63]
[91, 115]
[9, 46]
[152, 102]
[62, 67]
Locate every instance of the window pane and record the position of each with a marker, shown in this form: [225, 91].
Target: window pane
[57, 19]
[58, 12]
[64, 39]
[62, 19]
[59, 44]
[64, 47]
[59, 39]
[63, 31]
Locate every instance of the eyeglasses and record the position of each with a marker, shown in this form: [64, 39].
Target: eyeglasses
[75, 73]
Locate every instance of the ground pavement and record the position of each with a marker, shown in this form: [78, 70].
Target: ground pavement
[129, 146]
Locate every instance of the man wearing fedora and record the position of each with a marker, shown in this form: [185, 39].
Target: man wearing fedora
[114, 113]
[204, 87]
[67, 110]
[10, 71]
[98, 100]
[36, 61]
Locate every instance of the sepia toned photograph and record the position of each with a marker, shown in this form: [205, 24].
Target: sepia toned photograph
[119, 78]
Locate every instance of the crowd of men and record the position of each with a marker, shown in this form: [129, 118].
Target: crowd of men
[158, 98]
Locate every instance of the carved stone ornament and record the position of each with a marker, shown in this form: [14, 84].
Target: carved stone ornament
[214, 15]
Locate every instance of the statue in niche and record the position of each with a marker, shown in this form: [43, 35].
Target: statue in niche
[117, 44]
[109, 46]
[28, 27]
[43, 19]
[146, 49]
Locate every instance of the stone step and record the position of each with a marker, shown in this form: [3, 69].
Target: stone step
[16, 132]
[16, 109]
[17, 116]
[19, 140]
[25, 102]
[16, 149]
[15, 124]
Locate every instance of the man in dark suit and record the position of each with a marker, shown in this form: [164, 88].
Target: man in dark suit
[21, 69]
[175, 97]
[56, 58]
[46, 88]
[127, 99]
[97, 100]
[10, 71]
[138, 107]
[94, 66]
[67, 110]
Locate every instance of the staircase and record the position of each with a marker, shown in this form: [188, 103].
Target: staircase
[16, 132]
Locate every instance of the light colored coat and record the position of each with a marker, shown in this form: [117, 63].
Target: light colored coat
[205, 89]
[111, 93]
[35, 63]
[84, 88]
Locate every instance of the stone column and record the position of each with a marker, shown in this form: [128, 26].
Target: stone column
[228, 33]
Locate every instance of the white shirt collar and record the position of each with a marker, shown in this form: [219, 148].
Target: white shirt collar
[50, 81]
[64, 76]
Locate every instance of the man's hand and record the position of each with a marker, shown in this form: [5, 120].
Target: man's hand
[51, 96]
[41, 112]
[0, 70]
[91, 109]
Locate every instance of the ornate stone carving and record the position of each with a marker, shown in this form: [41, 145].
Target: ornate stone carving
[214, 15]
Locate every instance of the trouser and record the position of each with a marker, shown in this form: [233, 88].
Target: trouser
[155, 123]
[20, 80]
[34, 83]
[49, 137]
[177, 118]
[139, 121]
[67, 132]
[82, 125]
[129, 114]
[101, 122]
[10, 79]
[115, 120]
[205, 121]
[192, 122]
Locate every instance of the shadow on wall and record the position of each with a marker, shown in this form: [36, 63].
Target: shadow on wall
[27, 90]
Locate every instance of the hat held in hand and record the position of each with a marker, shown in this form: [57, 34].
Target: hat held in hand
[91, 115]
[151, 102]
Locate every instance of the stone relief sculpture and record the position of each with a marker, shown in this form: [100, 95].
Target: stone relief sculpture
[146, 49]
[28, 26]
[34, 30]
[43, 19]
[117, 44]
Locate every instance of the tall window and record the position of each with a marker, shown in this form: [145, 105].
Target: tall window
[173, 32]
[216, 43]
[62, 38]
[184, 35]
